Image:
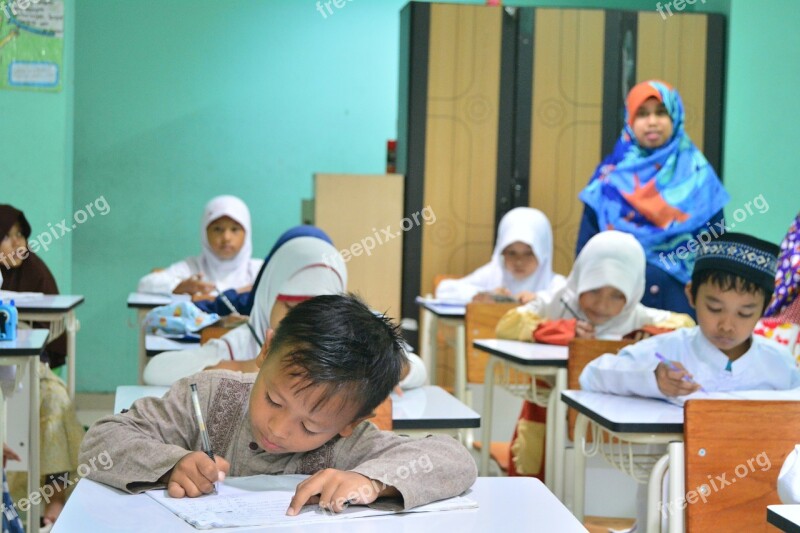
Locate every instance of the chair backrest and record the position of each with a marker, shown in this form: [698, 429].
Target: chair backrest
[383, 415]
[212, 332]
[581, 353]
[439, 278]
[733, 451]
[480, 321]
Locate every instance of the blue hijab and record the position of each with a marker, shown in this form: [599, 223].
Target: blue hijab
[664, 196]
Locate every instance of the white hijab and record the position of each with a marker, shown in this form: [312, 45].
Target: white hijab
[230, 273]
[610, 258]
[529, 226]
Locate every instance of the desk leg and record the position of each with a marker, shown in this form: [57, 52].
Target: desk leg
[461, 362]
[72, 329]
[654, 486]
[558, 412]
[468, 434]
[486, 416]
[429, 343]
[33, 446]
[676, 486]
[140, 314]
[579, 479]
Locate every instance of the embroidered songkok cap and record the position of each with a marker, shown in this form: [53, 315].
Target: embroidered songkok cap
[743, 255]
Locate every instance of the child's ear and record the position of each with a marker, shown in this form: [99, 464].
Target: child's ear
[348, 429]
[262, 355]
[688, 290]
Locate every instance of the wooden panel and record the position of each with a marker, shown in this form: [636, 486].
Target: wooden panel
[566, 119]
[383, 415]
[461, 138]
[744, 442]
[353, 209]
[480, 321]
[675, 51]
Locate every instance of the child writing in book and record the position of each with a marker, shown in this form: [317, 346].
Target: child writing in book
[521, 265]
[600, 300]
[302, 264]
[330, 362]
[225, 261]
[657, 186]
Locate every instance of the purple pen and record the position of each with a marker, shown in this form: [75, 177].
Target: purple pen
[674, 368]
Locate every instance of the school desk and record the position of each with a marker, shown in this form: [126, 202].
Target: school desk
[631, 420]
[784, 517]
[535, 360]
[143, 303]
[418, 410]
[155, 344]
[25, 351]
[434, 313]
[504, 504]
[59, 312]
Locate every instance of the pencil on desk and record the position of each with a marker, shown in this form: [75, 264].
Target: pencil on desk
[674, 368]
[202, 425]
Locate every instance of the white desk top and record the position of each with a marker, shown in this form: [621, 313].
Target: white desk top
[525, 353]
[148, 301]
[505, 504]
[627, 414]
[443, 309]
[431, 407]
[28, 342]
[784, 517]
[155, 344]
[60, 303]
[427, 407]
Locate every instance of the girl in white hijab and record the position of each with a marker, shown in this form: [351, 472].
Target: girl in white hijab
[225, 261]
[521, 265]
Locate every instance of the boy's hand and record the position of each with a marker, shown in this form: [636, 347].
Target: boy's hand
[195, 475]
[336, 489]
[584, 330]
[671, 382]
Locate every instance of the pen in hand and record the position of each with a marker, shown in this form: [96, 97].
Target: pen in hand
[674, 368]
[202, 425]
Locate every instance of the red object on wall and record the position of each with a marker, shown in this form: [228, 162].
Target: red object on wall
[391, 156]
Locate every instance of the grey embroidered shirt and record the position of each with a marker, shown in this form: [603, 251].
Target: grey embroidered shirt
[147, 441]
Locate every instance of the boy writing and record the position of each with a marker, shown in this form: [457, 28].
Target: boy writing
[731, 285]
[322, 373]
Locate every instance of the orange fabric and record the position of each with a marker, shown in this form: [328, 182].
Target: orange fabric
[650, 204]
[556, 331]
[531, 413]
[637, 96]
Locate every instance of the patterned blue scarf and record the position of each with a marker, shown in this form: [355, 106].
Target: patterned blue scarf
[664, 196]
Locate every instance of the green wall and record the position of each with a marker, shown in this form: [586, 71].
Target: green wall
[178, 101]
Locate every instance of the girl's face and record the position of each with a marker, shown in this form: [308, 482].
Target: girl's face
[12, 244]
[225, 237]
[601, 305]
[520, 260]
[652, 125]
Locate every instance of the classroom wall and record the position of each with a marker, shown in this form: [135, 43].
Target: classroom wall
[178, 101]
[36, 155]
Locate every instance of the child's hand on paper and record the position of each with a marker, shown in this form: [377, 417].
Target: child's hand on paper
[674, 382]
[584, 330]
[194, 285]
[525, 296]
[195, 475]
[334, 490]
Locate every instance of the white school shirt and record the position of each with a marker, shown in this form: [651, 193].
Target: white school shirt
[165, 281]
[765, 366]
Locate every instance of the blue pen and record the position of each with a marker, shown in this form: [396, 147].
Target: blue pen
[674, 368]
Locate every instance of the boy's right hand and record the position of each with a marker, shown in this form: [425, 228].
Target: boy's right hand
[195, 475]
[671, 382]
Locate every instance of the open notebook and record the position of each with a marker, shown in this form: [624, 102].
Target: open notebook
[263, 500]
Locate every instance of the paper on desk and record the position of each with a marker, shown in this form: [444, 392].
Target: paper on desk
[19, 296]
[234, 506]
[787, 395]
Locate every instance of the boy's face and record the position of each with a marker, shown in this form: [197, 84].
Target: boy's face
[520, 260]
[726, 318]
[652, 125]
[225, 237]
[12, 243]
[283, 419]
[601, 305]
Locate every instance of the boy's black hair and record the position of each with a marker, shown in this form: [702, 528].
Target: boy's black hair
[337, 342]
[736, 261]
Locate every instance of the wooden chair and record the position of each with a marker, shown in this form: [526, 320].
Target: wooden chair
[480, 321]
[746, 441]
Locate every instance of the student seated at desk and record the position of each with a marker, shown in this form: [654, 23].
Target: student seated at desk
[225, 261]
[601, 297]
[521, 265]
[302, 264]
[328, 365]
[21, 270]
